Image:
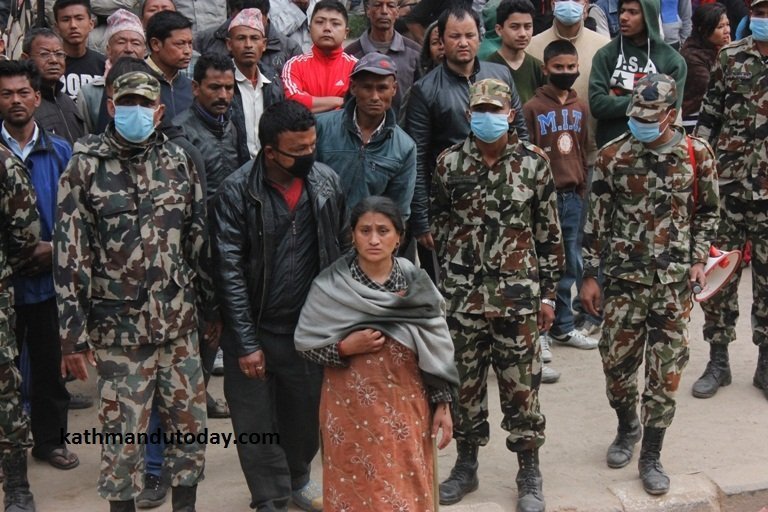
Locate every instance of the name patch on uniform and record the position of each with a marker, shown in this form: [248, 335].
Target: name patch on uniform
[740, 75]
[458, 180]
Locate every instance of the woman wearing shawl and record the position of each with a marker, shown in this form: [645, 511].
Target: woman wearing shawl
[377, 324]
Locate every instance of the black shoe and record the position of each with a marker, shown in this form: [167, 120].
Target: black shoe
[80, 401]
[655, 480]
[184, 498]
[760, 380]
[628, 434]
[530, 496]
[122, 506]
[16, 486]
[154, 493]
[717, 373]
[463, 478]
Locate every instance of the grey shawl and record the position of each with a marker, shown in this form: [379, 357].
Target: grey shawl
[337, 305]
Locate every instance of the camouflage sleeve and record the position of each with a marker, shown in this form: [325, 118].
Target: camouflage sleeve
[72, 256]
[599, 215]
[20, 218]
[707, 213]
[713, 105]
[440, 206]
[548, 237]
[198, 248]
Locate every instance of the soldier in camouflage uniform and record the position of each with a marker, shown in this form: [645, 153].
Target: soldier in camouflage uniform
[652, 217]
[18, 238]
[500, 246]
[732, 119]
[130, 236]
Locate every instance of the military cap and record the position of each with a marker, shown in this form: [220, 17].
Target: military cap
[652, 96]
[375, 63]
[490, 91]
[138, 83]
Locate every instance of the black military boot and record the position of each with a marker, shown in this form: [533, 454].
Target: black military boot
[760, 380]
[717, 373]
[122, 506]
[463, 478]
[16, 486]
[655, 480]
[183, 498]
[627, 435]
[530, 497]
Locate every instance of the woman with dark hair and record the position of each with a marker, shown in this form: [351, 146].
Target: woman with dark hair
[377, 324]
[711, 31]
[432, 51]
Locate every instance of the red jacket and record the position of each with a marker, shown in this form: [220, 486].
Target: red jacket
[316, 74]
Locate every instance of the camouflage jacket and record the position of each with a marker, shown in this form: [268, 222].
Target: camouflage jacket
[19, 234]
[641, 211]
[497, 232]
[129, 242]
[733, 120]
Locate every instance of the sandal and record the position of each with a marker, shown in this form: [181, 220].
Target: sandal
[60, 458]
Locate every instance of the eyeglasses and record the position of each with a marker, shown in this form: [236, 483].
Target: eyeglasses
[49, 55]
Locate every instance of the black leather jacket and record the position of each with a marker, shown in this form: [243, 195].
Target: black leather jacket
[436, 119]
[243, 252]
[217, 142]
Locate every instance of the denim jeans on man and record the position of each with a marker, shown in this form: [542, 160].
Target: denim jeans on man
[569, 207]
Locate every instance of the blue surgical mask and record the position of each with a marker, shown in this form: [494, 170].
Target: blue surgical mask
[489, 127]
[134, 122]
[569, 12]
[759, 28]
[644, 132]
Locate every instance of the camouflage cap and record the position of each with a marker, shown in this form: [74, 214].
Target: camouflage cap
[139, 83]
[490, 91]
[652, 96]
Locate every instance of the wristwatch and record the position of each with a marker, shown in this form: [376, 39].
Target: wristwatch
[549, 302]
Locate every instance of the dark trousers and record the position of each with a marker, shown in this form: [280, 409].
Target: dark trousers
[286, 403]
[37, 325]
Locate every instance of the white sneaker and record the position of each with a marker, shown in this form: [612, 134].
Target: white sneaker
[549, 375]
[218, 364]
[575, 339]
[546, 351]
[589, 329]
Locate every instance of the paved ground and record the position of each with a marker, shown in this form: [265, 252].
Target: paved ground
[716, 451]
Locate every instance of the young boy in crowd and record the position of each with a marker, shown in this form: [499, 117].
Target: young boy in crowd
[557, 122]
[514, 25]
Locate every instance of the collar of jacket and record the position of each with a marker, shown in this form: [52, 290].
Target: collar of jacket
[214, 124]
[327, 57]
[470, 148]
[257, 181]
[475, 70]
[349, 123]
[50, 91]
[397, 45]
[43, 142]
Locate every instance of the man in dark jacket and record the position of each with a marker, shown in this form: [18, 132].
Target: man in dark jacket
[57, 112]
[258, 86]
[436, 115]
[169, 37]
[279, 48]
[278, 222]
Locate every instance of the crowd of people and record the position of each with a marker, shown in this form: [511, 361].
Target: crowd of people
[355, 234]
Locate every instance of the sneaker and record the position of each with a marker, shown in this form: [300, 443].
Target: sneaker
[546, 351]
[218, 364]
[549, 375]
[309, 497]
[575, 339]
[154, 493]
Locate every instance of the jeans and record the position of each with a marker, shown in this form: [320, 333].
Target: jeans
[569, 206]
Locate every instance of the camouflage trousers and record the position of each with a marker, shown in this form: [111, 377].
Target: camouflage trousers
[511, 347]
[740, 220]
[14, 423]
[129, 379]
[651, 323]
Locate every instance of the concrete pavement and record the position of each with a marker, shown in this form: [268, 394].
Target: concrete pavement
[715, 452]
